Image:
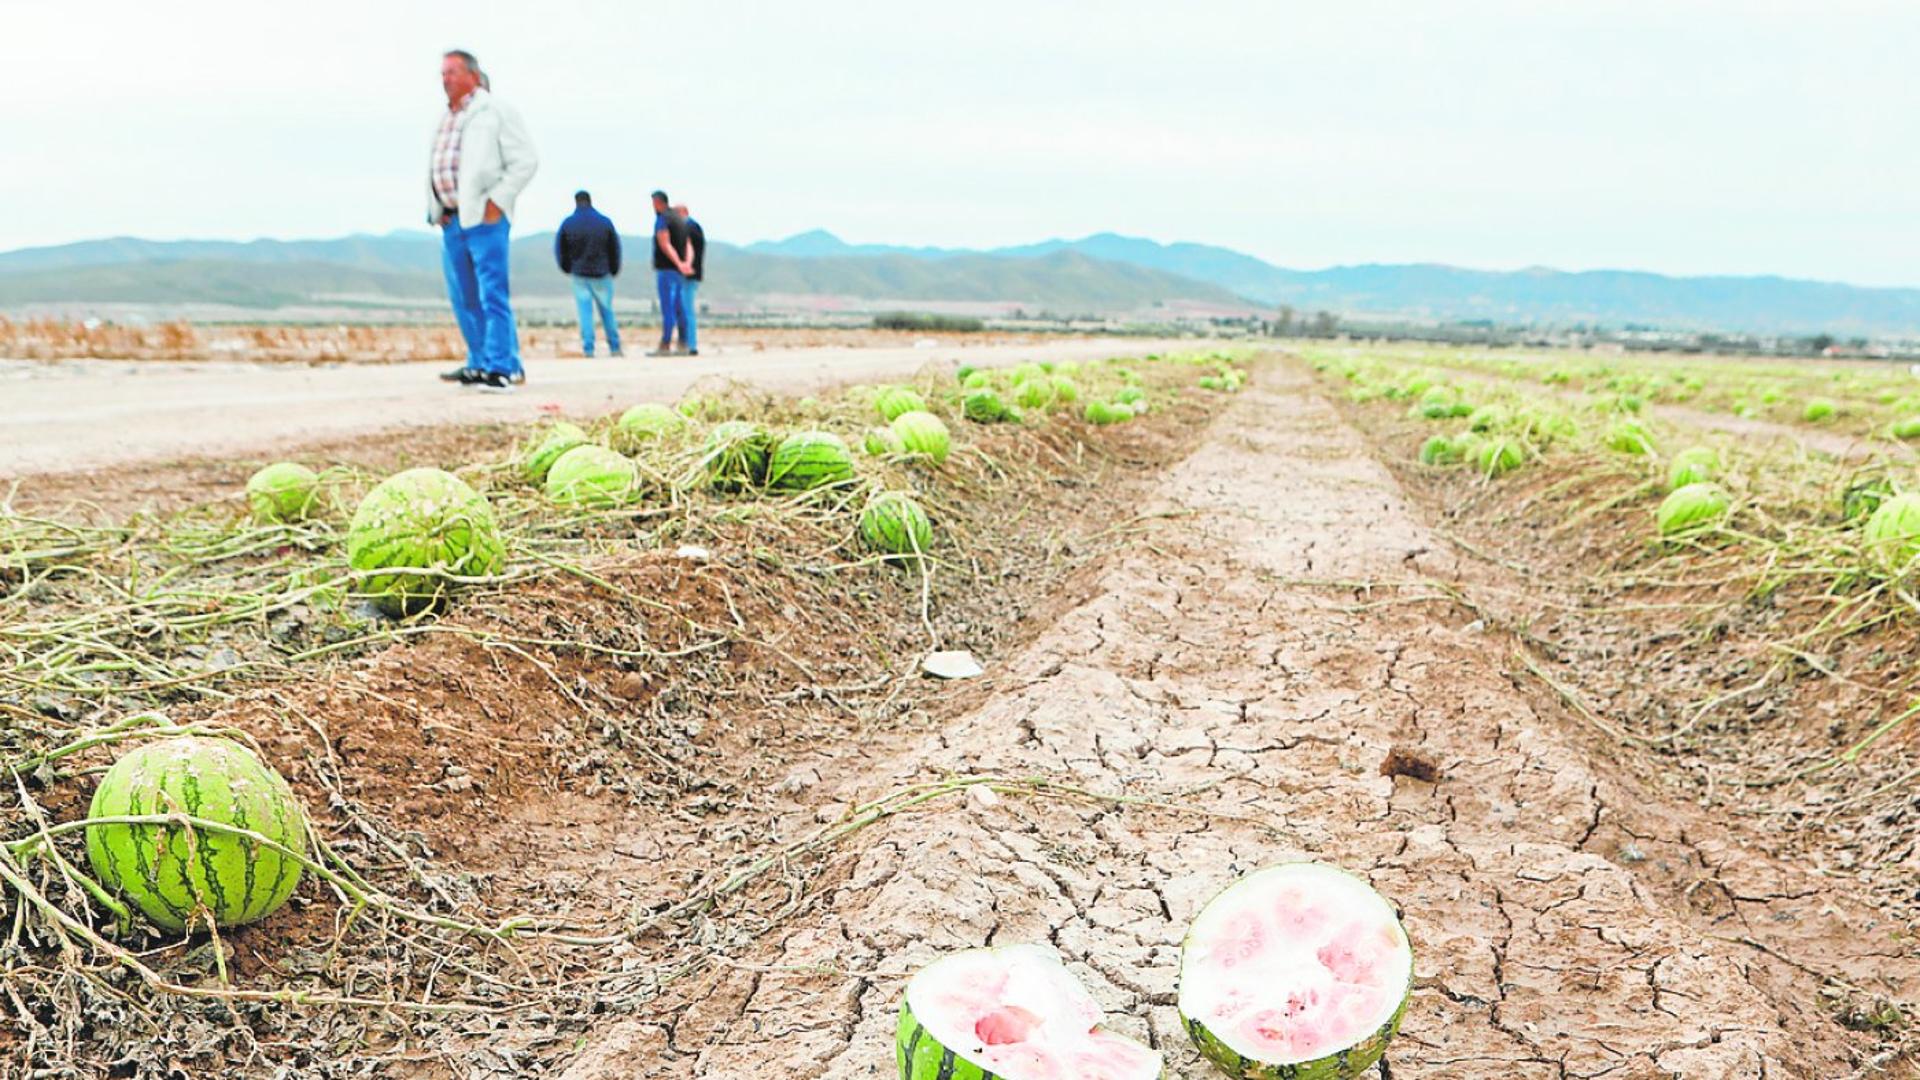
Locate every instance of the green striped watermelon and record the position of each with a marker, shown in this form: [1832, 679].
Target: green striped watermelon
[1036, 393]
[983, 406]
[1065, 389]
[894, 400]
[177, 874]
[735, 455]
[1892, 535]
[593, 477]
[1295, 972]
[1104, 412]
[895, 524]
[1694, 465]
[540, 456]
[1132, 396]
[421, 519]
[961, 373]
[1010, 1013]
[976, 380]
[646, 422]
[283, 491]
[924, 434]
[1691, 508]
[809, 459]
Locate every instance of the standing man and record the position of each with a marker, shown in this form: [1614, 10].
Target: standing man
[480, 161]
[670, 270]
[588, 247]
[690, 290]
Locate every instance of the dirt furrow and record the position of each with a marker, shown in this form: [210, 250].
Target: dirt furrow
[1216, 675]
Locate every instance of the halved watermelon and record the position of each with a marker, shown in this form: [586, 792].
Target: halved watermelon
[1014, 1013]
[1299, 971]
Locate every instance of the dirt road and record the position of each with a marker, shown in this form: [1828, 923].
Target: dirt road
[1214, 673]
[73, 415]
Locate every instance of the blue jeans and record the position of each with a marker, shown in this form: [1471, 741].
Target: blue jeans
[475, 261]
[590, 293]
[671, 313]
[689, 307]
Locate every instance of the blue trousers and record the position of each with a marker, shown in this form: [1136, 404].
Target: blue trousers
[689, 308]
[475, 261]
[590, 293]
[672, 313]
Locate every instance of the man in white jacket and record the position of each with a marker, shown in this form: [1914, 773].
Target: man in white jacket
[480, 161]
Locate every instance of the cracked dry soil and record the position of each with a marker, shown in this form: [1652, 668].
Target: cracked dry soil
[1213, 674]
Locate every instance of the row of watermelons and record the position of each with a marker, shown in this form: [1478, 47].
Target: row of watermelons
[1498, 439]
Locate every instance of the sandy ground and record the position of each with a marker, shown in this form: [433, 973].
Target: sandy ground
[1213, 672]
[74, 415]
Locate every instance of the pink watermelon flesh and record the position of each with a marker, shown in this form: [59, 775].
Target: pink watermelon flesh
[1017, 1012]
[1295, 963]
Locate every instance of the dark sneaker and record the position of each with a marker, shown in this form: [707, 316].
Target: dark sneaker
[693, 352]
[660, 352]
[618, 353]
[465, 376]
[495, 383]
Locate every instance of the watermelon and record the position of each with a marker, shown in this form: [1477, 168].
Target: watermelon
[1133, 396]
[1212, 382]
[421, 519]
[881, 441]
[282, 492]
[985, 407]
[646, 422]
[1907, 427]
[894, 400]
[976, 380]
[1011, 1013]
[1630, 437]
[1025, 372]
[923, 434]
[1486, 418]
[895, 524]
[1817, 409]
[1034, 393]
[1299, 970]
[735, 455]
[1892, 535]
[1628, 403]
[1694, 465]
[1440, 450]
[1691, 508]
[1065, 389]
[593, 477]
[809, 459]
[1770, 396]
[540, 456]
[1863, 497]
[1103, 413]
[1491, 457]
[177, 874]
[961, 373]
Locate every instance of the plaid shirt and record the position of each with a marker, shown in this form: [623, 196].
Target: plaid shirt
[446, 155]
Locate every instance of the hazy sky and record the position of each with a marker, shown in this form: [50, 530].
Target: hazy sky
[1686, 136]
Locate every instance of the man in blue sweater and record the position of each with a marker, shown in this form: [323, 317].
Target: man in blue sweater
[588, 247]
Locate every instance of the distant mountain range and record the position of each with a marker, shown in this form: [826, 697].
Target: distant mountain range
[1104, 273]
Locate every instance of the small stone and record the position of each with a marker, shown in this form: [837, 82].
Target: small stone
[983, 796]
[694, 552]
[954, 664]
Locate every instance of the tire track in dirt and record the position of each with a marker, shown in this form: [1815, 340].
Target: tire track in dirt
[1206, 673]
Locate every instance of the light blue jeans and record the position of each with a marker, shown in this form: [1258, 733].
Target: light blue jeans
[590, 293]
[689, 307]
[475, 261]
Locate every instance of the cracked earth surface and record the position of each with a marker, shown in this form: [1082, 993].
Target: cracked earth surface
[1565, 922]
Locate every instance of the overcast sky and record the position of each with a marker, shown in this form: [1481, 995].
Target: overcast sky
[1685, 136]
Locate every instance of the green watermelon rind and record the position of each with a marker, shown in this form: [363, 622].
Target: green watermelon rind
[391, 531]
[539, 458]
[924, 434]
[896, 525]
[148, 865]
[282, 492]
[809, 459]
[894, 400]
[592, 477]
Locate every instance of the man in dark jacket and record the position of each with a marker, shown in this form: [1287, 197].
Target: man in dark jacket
[588, 247]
